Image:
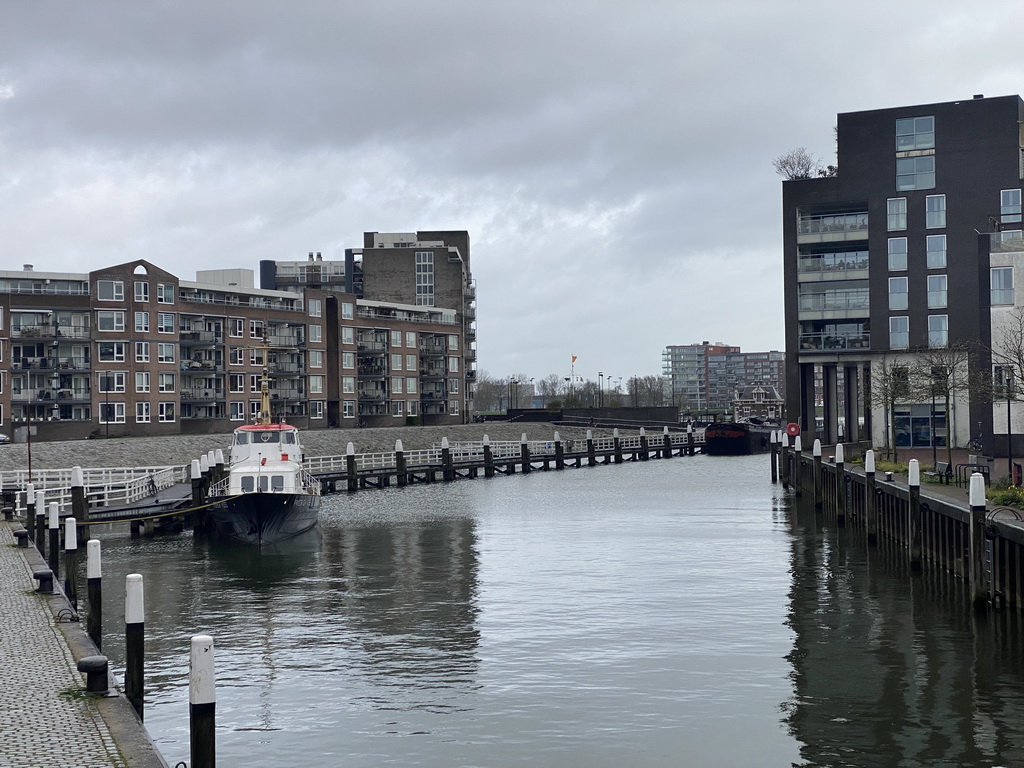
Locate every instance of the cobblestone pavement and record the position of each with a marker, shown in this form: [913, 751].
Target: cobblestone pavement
[42, 723]
[181, 449]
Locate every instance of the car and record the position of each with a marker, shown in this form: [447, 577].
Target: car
[4, 439]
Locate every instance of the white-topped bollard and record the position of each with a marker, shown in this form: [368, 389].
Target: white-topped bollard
[488, 457]
[202, 703]
[870, 511]
[94, 591]
[840, 486]
[71, 560]
[524, 453]
[447, 471]
[914, 523]
[976, 499]
[54, 530]
[773, 454]
[352, 480]
[134, 641]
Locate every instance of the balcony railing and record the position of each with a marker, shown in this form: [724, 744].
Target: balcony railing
[835, 301]
[836, 226]
[810, 342]
[832, 263]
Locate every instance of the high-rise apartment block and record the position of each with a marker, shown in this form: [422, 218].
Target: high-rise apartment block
[706, 377]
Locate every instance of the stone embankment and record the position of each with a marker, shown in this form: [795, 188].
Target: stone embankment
[181, 449]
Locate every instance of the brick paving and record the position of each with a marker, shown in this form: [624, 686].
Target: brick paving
[42, 724]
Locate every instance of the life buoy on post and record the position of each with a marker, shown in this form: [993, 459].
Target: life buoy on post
[792, 429]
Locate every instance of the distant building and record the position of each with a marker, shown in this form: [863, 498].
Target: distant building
[704, 377]
[757, 401]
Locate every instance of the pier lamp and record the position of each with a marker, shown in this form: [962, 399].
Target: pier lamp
[600, 389]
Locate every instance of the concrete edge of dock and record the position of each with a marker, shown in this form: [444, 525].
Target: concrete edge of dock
[128, 732]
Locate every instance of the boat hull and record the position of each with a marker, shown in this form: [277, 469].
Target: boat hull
[264, 518]
[736, 439]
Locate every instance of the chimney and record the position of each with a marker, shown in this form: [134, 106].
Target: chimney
[979, 95]
[319, 257]
[28, 267]
[310, 255]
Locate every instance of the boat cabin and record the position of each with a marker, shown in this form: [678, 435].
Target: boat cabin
[266, 443]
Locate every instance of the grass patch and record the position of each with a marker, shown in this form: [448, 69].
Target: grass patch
[74, 693]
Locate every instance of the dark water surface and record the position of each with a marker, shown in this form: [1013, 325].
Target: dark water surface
[654, 614]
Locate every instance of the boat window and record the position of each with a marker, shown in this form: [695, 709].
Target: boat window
[241, 438]
[277, 483]
[289, 437]
[247, 483]
[264, 482]
[265, 437]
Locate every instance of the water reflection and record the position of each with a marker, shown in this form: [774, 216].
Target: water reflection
[892, 669]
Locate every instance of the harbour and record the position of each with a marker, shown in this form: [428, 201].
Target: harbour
[644, 613]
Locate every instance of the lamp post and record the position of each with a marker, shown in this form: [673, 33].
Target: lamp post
[1009, 428]
[931, 422]
[600, 389]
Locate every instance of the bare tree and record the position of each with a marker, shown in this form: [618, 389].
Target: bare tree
[942, 373]
[890, 385]
[795, 164]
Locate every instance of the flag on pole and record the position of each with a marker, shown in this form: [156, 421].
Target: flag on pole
[574, 358]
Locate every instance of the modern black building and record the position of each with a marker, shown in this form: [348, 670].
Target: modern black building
[889, 258]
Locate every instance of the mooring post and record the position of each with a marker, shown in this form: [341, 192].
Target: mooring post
[30, 509]
[666, 451]
[71, 561]
[644, 454]
[840, 487]
[914, 514]
[591, 456]
[218, 459]
[870, 499]
[690, 444]
[204, 471]
[617, 443]
[211, 460]
[488, 457]
[524, 452]
[54, 549]
[40, 522]
[202, 703]
[784, 460]
[816, 453]
[559, 455]
[976, 499]
[798, 468]
[134, 642]
[350, 468]
[195, 474]
[79, 501]
[401, 478]
[447, 473]
[94, 590]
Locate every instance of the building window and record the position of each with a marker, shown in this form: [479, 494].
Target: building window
[141, 291]
[410, 339]
[899, 332]
[897, 254]
[166, 412]
[315, 307]
[111, 351]
[1009, 206]
[935, 211]
[898, 298]
[425, 278]
[453, 407]
[936, 251]
[396, 385]
[453, 364]
[236, 327]
[896, 208]
[165, 352]
[112, 381]
[109, 320]
[111, 413]
[165, 322]
[915, 133]
[410, 363]
[316, 358]
[936, 291]
[346, 310]
[1002, 286]
[142, 381]
[165, 382]
[316, 409]
[348, 359]
[348, 335]
[165, 293]
[316, 385]
[410, 385]
[915, 173]
[236, 382]
[256, 329]
[254, 382]
[348, 385]
[938, 330]
[397, 407]
[141, 351]
[413, 407]
[316, 334]
[396, 338]
[348, 409]
[142, 322]
[396, 362]
[236, 355]
[237, 411]
[110, 290]
[453, 342]
[142, 412]
[453, 386]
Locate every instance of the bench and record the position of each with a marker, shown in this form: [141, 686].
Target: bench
[942, 471]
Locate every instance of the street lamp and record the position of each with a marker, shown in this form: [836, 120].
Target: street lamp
[600, 389]
[1008, 386]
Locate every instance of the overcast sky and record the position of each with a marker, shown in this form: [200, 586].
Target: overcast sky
[611, 160]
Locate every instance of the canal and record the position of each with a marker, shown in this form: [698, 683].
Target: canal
[662, 613]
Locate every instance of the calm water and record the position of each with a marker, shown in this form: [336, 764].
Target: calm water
[657, 614]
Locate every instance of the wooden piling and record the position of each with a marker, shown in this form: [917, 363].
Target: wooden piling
[784, 461]
[94, 591]
[644, 451]
[666, 441]
[350, 468]
[447, 473]
[559, 455]
[488, 458]
[134, 642]
[54, 548]
[976, 497]
[40, 522]
[30, 508]
[202, 704]
[914, 514]
[71, 561]
[401, 478]
[816, 454]
[798, 457]
[591, 456]
[524, 452]
[691, 447]
[870, 499]
[79, 501]
[773, 451]
[840, 487]
[617, 443]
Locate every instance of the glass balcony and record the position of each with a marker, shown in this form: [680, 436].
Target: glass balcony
[832, 227]
[829, 342]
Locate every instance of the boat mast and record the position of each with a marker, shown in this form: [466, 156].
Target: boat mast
[264, 415]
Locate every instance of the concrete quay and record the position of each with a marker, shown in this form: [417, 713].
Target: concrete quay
[181, 449]
[47, 719]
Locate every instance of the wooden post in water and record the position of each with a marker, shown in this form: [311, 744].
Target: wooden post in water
[30, 509]
[218, 458]
[488, 457]
[447, 473]
[401, 478]
[71, 561]
[798, 457]
[79, 502]
[816, 453]
[202, 703]
[914, 514]
[559, 455]
[773, 455]
[617, 443]
[870, 499]
[134, 642]
[54, 548]
[644, 452]
[40, 522]
[976, 499]
[840, 487]
[524, 452]
[784, 460]
[350, 468]
[666, 439]
[94, 591]
[691, 447]
[591, 456]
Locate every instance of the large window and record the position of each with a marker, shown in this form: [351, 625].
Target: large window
[899, 332]
[165, 352]
[111, 352]
[936, 251]
[165, 322]
[237, 411]
[425, 278]
[936, 291]
[110, 290]
[898, 296]
[141, 291]
[896, 208]
[142, 322]
[935, 211]
[111, 413]
[112, 381]
[141, 351]
[142, 412]
[142, 381]
[165, 382]
[938, 330]
[1002, 285]
[109, 320]
[897, 254]
[1009, 206]
[915, 173]
[348, 334]
[915, 133]
[165, 293]
[166, 411]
